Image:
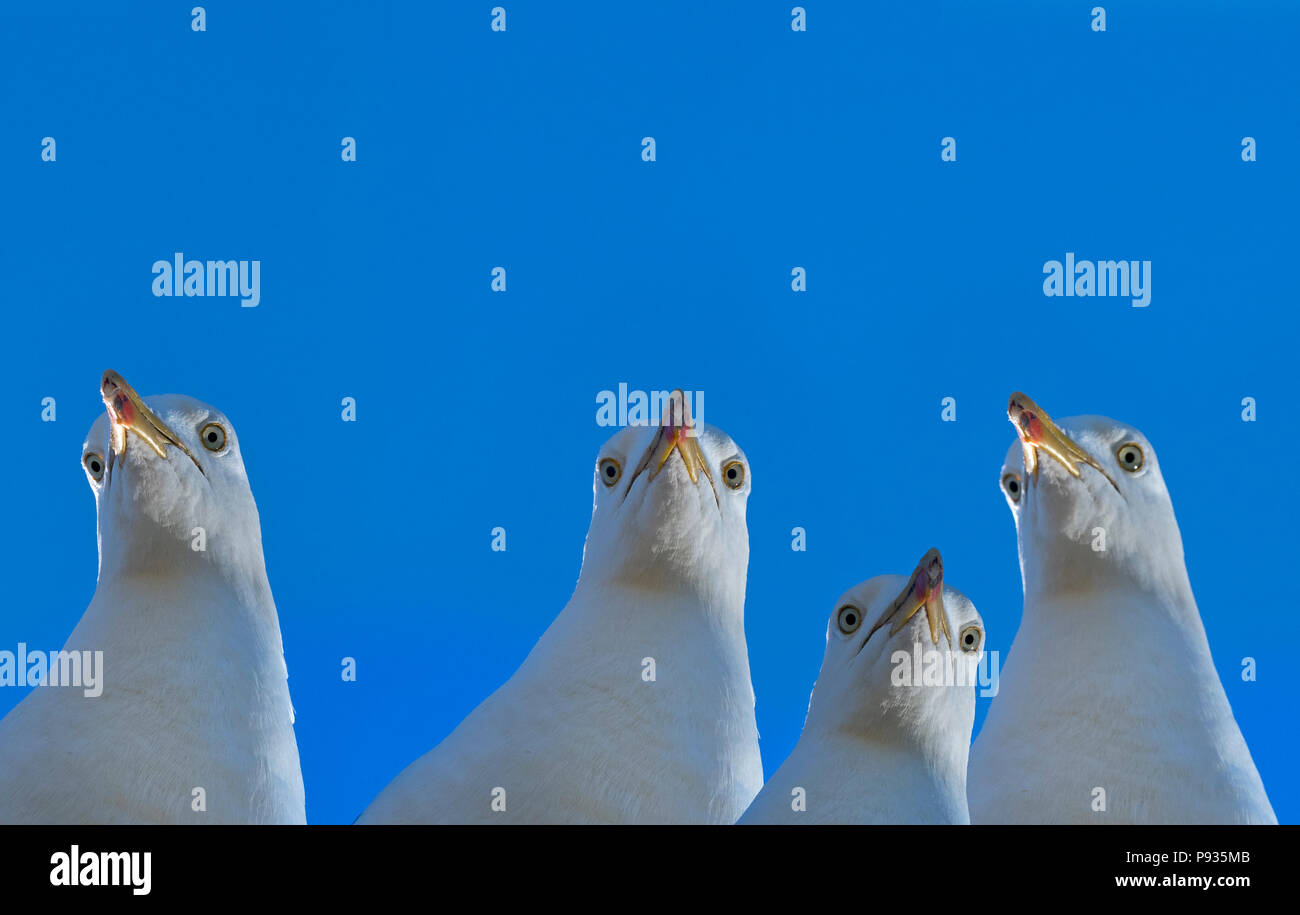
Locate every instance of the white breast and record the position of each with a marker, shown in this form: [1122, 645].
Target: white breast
[578, 735]
[195, 698]
[1113, 698]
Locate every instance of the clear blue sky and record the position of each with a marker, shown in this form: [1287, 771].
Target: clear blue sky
[774, 150]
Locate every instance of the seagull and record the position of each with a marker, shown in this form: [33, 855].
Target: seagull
[194, 722]
[636, 705]
[1109, 708]
[889, 722]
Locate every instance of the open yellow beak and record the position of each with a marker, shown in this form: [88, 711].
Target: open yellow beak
[676, 434]
[1038, 432]
[924, 590]
[128, 414]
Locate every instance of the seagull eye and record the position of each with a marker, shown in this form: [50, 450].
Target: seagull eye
[213, 436]
[1130, 456]
[1011, 483]
[94, 465]
[970, 639]
[850, 618]
[734, 475]
[610, 471]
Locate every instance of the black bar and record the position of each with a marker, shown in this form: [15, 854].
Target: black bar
[654, 864]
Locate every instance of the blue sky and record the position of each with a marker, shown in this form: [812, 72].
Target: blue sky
[476, 409]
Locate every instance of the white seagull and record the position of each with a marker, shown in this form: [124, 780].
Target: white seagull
[889, 723]
[194, 723]
[635, 706]
[1109, 708]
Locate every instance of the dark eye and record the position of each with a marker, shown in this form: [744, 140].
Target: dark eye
[94, 465]
[849, 619]
[734, 475]
[1130, 456]
[1011, 483]
[610, 470]
[971, 638]
[213, 436]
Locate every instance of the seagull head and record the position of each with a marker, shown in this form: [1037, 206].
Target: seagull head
[669, 508]
[169, 485]
[868, 683]
[1089, 502]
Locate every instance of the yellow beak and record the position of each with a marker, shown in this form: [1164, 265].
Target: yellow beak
[128, 413]
[676, 434]
[1038, 432]
[924, 590]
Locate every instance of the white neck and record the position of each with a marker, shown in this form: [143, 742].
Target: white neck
[853, 779]
[580, 733]
[195, 695]
[1117, 690]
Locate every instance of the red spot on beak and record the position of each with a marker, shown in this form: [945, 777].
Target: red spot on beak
[124, 409]
[1031, 427]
